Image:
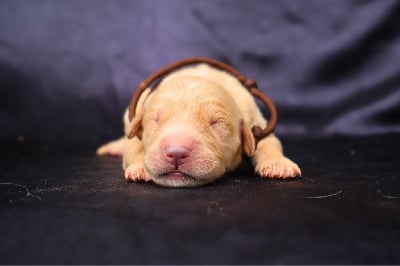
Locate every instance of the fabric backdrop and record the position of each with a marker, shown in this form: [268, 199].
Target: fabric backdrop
[69, 68]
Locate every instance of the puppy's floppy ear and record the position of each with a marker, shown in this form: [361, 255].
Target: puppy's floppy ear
[134, 128]
[249, 143]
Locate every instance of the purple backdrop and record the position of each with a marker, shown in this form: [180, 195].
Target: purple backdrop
[69, 68]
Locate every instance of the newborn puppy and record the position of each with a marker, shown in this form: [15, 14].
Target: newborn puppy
[194, 128]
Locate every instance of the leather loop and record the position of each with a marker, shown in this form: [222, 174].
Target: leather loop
[250, 84]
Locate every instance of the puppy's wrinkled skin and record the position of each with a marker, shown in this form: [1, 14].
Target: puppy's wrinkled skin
[195, 127]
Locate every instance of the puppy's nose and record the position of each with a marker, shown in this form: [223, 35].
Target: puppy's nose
[176, 154]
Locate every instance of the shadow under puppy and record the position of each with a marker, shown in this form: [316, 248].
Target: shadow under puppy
[194, 128]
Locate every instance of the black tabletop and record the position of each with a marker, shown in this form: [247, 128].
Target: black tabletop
[61, 206]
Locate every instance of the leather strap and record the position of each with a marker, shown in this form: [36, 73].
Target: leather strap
[250, 84]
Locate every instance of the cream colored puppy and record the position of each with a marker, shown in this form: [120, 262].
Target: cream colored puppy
[194, 128]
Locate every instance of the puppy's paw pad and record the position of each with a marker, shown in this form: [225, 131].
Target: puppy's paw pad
[137, 173]
[280, 167]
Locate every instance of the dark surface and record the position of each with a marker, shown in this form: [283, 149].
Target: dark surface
[64, 206]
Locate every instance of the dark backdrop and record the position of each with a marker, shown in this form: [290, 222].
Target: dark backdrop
[69, 68]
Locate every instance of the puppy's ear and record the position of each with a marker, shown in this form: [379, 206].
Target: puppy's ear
[134, 128]
[249, 143]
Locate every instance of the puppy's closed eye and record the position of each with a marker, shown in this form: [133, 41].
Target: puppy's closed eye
[214, 122]
[220, 127]
[152, 118]
[155, 118]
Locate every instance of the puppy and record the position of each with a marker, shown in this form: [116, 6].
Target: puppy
[194, 128]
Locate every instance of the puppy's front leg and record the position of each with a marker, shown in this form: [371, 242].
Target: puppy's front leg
[270, 162]
[133, 161]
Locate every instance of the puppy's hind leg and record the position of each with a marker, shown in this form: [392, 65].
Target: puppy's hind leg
[270, 162]
[113, 148]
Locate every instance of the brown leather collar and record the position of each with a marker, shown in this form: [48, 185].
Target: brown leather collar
[246, 82]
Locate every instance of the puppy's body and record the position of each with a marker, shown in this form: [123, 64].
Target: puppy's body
[195, 127]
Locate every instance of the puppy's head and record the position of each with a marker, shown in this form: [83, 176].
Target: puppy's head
[192, 132]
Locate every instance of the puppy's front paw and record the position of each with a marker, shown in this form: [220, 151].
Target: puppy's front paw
[279, 167]
[136, 172]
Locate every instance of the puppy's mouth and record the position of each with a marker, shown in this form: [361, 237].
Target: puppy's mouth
[177, 176]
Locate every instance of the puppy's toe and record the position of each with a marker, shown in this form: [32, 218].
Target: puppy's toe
[279, 167]
[137, 173]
